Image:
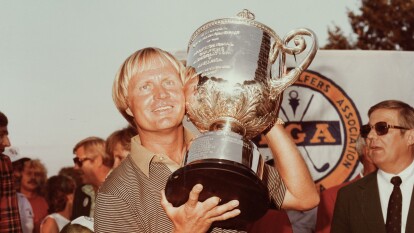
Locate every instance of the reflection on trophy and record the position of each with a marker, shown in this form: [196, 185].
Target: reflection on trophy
[231, 98]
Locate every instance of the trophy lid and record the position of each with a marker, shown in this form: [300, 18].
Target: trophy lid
[244, 17]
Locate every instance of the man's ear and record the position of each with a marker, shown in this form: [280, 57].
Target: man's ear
[410, 137]
[99, 159]
[128, 111]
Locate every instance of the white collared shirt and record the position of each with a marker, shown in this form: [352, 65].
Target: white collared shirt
[385, 188]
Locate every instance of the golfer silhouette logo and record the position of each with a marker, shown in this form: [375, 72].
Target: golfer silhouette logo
[324, 123]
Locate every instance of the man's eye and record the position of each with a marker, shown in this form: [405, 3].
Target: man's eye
[145, 87]
[169, 83]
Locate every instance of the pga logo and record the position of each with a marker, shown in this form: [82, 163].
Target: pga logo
[324, 123]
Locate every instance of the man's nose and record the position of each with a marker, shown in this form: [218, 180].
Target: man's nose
[160, 92]
[5, 141]
[372, 133]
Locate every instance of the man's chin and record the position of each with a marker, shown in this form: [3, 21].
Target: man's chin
[377, 158]
[167, 123]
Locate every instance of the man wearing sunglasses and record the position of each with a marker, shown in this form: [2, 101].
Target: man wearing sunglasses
[368, 205]
[93, 165]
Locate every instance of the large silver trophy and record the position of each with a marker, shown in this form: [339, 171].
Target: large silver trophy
[231, 98]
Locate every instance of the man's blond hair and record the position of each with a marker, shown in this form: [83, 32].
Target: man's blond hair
[139, 61]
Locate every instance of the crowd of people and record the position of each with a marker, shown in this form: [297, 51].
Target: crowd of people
[60, 203]
[117, 184]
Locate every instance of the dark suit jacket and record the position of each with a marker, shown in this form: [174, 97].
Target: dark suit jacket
[81, 204]
[358, 209]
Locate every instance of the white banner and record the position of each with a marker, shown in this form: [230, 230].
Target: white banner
[326, 106]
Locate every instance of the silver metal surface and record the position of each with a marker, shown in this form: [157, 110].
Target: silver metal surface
[224, 145]
[232, 88]
[231, 97]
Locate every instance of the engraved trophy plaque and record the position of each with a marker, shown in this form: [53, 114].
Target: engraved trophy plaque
[231, 98]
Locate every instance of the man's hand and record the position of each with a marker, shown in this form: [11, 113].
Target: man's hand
[194, 216]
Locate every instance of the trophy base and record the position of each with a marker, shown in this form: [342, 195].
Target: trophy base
[225, 179]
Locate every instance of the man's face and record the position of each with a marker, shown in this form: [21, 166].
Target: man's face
[156, 98]
[390, 152]
[30, 178]
[88, 168]
[4, 138]
[119, 154]
[18, 167]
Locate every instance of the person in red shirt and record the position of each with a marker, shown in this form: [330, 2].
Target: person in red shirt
[274, 221]
[328, 197]
[9, 209]
[32, 185]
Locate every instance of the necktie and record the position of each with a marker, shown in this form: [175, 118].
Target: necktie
[393, 224]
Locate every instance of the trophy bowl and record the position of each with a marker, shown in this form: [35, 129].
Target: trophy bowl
[231, 97]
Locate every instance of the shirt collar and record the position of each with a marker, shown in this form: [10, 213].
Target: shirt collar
[88, 189]
[143, 157]
[404, 175]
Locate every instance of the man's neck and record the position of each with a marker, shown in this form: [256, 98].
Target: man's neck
[399, 167]
[67, 212]
[101, 177]
[368, 168]
[168, 142]
[28, 194]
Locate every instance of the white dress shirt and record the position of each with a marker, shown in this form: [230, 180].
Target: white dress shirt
[385, 188]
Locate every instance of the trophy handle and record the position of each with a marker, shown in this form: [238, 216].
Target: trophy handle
[278, 85]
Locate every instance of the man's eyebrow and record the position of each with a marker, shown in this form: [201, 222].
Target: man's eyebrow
[4, 132]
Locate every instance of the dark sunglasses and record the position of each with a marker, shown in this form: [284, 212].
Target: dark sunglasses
[79, 161]
[381, 128]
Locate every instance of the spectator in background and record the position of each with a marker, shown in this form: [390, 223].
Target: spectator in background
[73, 173]
[118, 144]
[302, 221]
[9, 208]
[32, 185]
[81, 224]
[362, 206]
[25, 209]
[328, 197]
[94, 165]
[60, 193]
[274, 221]
[18, 164]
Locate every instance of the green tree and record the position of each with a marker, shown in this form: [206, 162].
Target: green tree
[337, 40]
[380, 25]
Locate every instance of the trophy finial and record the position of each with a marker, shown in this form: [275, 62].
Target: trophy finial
[246, 14]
